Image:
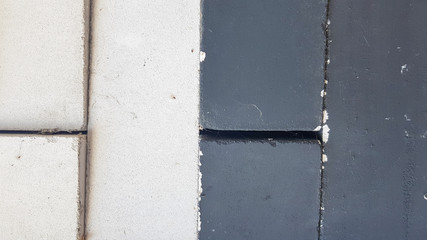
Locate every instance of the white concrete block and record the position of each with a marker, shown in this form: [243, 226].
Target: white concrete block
[143, 123]
[43, 46]
[42, 187]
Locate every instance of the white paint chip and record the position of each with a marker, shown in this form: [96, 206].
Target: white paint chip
[199, 198]
[406, 133]
[325, 133]
[202, 56]
[42, 186]
[407, 118]
[322, 93]
[325, 116]
[324, 158]
[318, 128]
[404, 68]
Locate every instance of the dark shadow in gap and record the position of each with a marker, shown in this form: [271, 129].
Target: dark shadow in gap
[215, 135]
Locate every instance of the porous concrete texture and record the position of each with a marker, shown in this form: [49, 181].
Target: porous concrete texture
[43, 46]
[42, 187]
[143, 123]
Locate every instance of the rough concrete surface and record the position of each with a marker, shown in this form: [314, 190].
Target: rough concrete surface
[42, 187]
[143, 123]
[43, 64]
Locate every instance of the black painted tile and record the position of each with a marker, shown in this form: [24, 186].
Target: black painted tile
[376, 176]
[264, 64]
[259, 190]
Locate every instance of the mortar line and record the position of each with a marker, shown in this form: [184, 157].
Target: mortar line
[88, 60]
[199, 176]
[324, 119]
[46, 132]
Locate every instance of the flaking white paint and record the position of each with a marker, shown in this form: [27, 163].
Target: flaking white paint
[404, 68]
[202, 56]
[325, 133]
[325, 116]
[324, 158]
[322, 93]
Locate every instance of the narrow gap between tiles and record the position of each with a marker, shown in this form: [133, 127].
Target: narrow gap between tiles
[88, 32]
[325, 128]
[208, 134]
[42, 132]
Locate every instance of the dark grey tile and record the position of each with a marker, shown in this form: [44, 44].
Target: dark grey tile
[376, 176]
[259, 190]
[264, 64]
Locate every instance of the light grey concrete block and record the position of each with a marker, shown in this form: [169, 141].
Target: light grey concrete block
[42, 187]
[43, 62]
[143, 123]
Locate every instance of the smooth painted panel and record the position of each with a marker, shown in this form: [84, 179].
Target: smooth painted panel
[376, 174]
[259, 189]
[263, 64]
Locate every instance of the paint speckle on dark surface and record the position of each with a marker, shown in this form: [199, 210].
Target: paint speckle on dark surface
[262, 66]
[376, 174]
